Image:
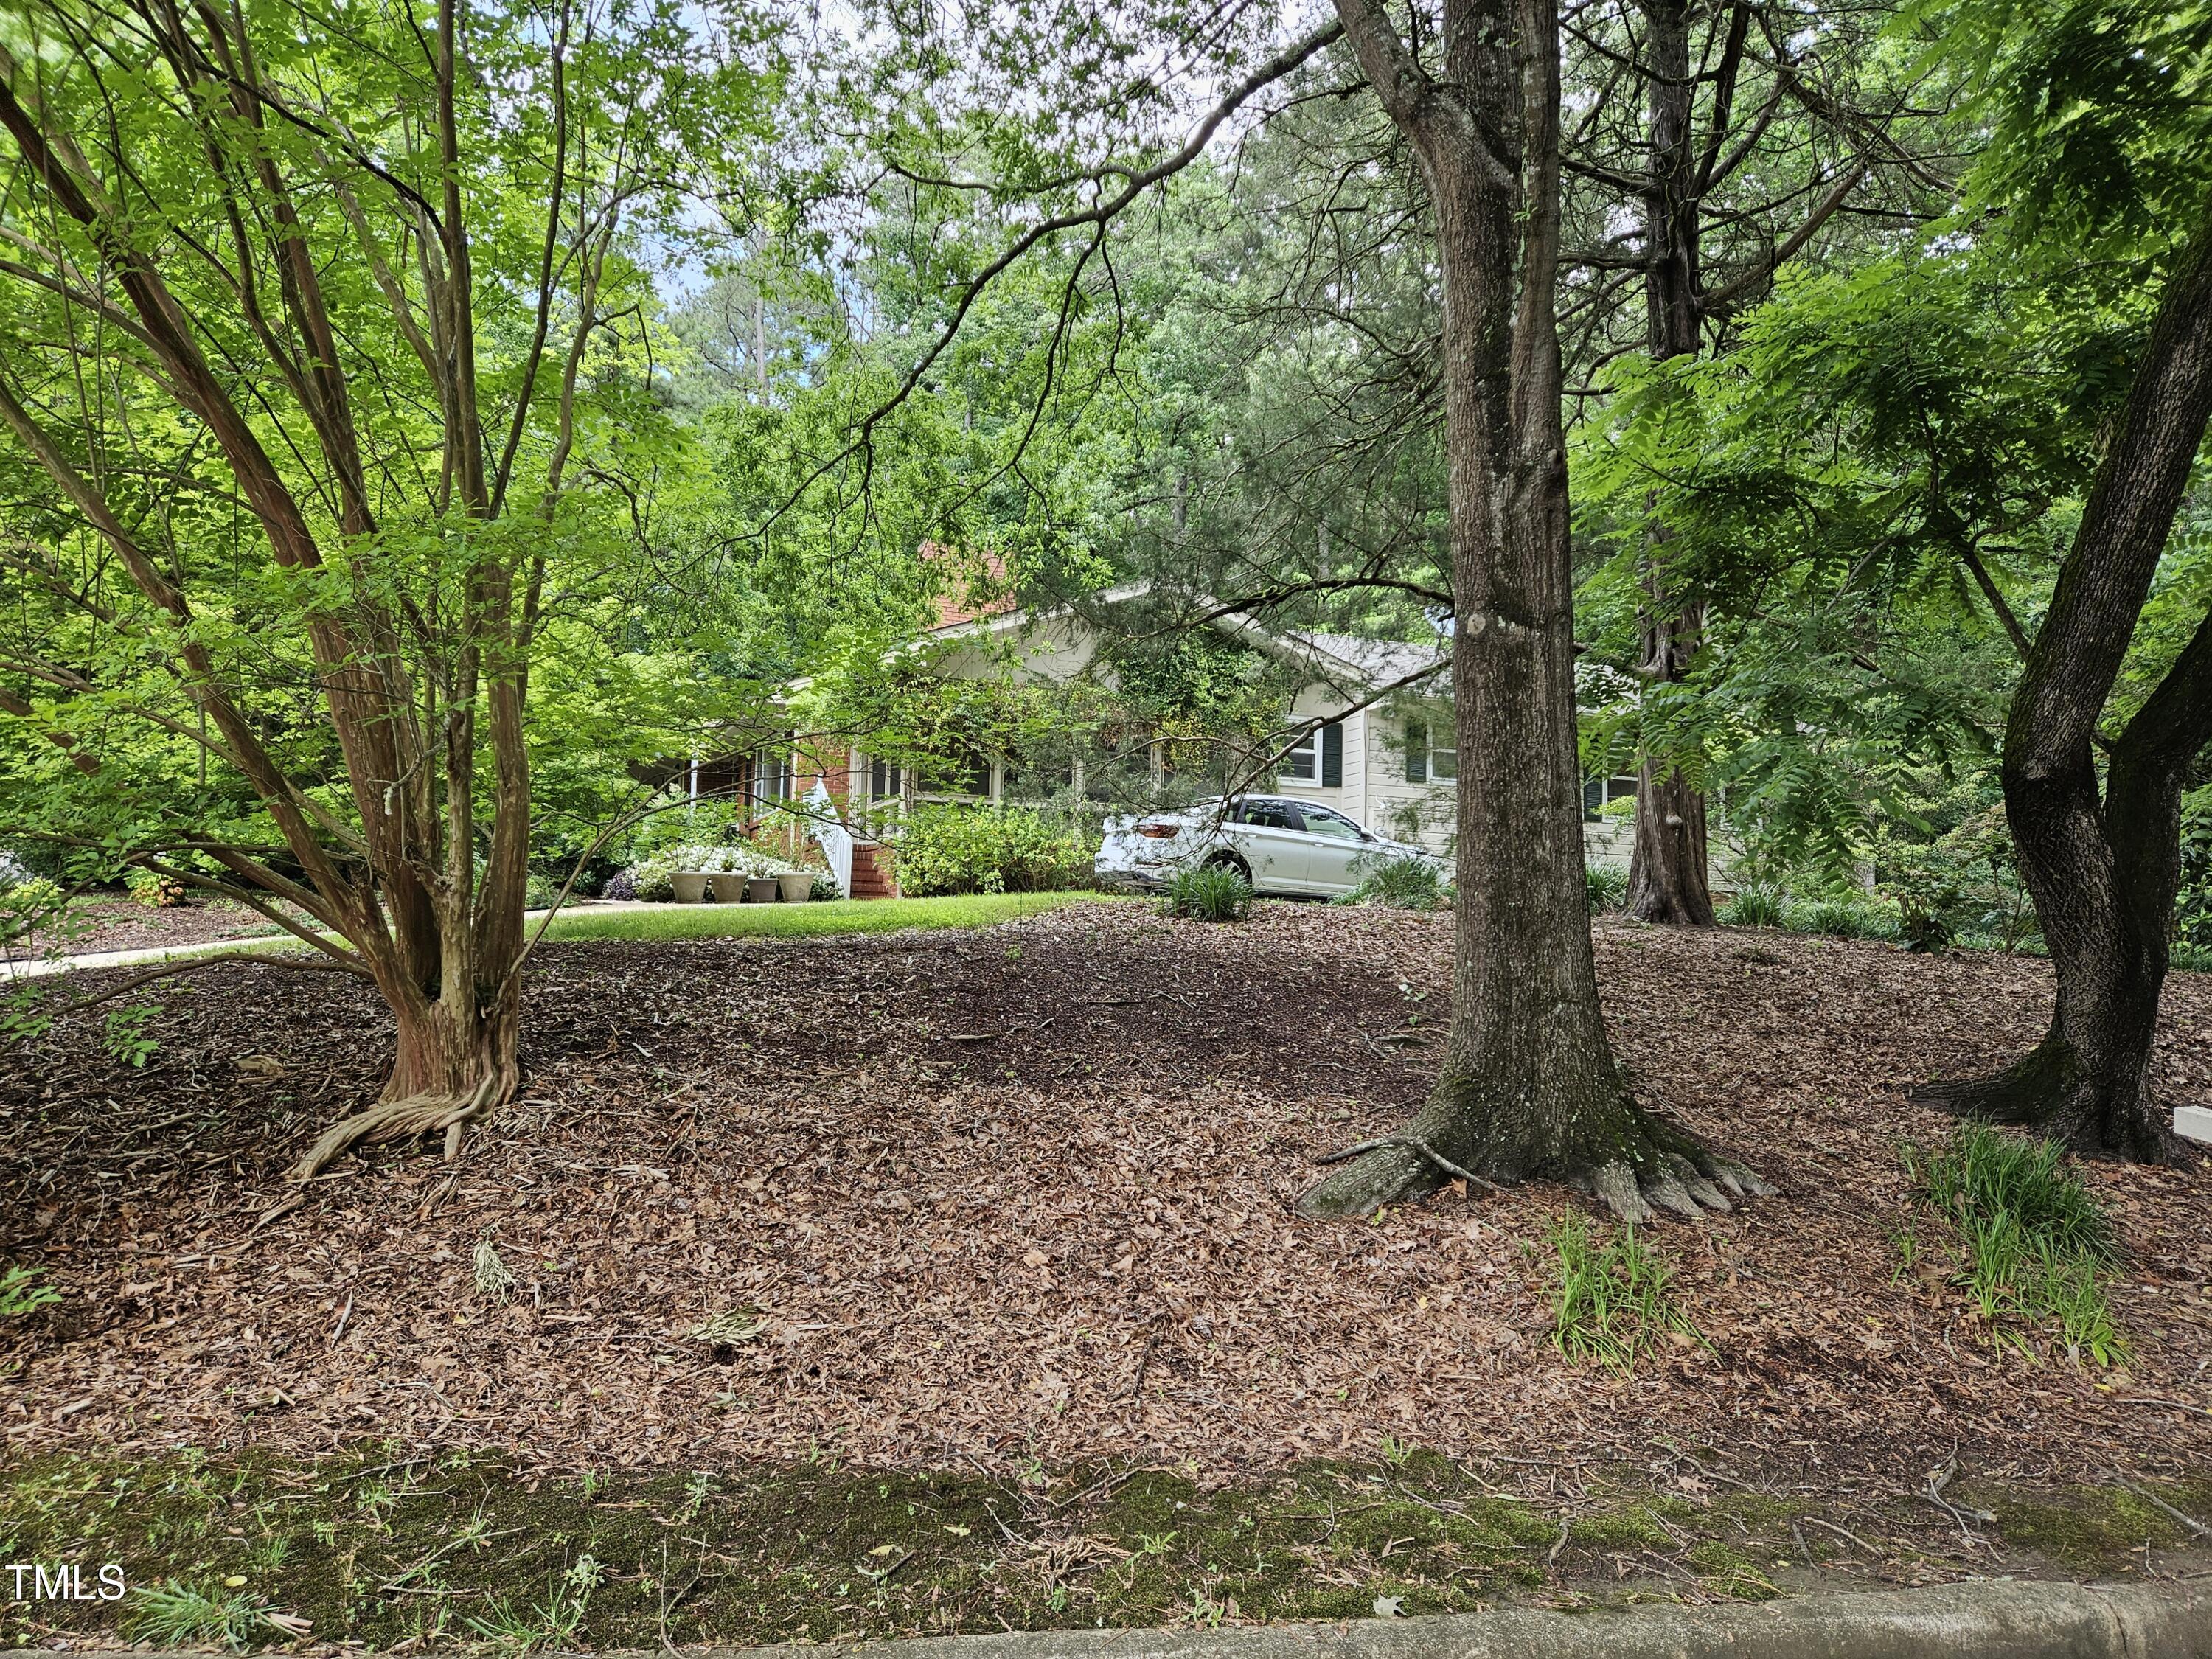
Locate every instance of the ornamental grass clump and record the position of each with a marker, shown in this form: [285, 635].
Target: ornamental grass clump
[2036, 1248]
[1613, 1303]
[1216, 893]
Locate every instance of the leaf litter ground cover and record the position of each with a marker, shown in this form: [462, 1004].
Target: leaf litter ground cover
[1005, 1213]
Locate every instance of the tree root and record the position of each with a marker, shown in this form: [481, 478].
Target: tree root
[398, 1120]
[1663, 1170]
[1686, 1184]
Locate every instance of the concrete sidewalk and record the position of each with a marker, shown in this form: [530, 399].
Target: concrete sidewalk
[1985, 1619]
[40, 967]
[1982, 1618]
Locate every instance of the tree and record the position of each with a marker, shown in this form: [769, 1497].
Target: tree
[1529, 1084]
[2103, 118]
[1754, 147]
[323, 343]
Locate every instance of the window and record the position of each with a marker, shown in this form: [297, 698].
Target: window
[774, 775]
[968, 775]
[1270, 815]
[1599, 791]
[1320, 821]
[1317, 756]
[885, 780]
[1429, 757]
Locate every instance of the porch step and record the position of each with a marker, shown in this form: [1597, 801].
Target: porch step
[870, 878]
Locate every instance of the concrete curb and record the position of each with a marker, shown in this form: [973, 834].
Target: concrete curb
[1984, 1619]
[1987, 1618]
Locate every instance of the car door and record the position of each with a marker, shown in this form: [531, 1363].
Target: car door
[1335, 847]
[1270, 835]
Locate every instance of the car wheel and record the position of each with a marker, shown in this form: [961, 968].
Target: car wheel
[1230, 861]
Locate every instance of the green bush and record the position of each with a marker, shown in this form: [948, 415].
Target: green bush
[1402, 883]
[1216, 893]
[1608, 887]
[152, 890]
[977, 849]
[1756, 904]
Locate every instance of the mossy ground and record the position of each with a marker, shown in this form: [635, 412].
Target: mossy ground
[466, 1548]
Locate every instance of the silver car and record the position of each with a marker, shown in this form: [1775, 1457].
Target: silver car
[1284, 847]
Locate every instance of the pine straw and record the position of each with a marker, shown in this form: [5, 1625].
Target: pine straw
[1025, 1193]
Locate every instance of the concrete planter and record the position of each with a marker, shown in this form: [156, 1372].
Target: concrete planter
[794, 889]
[728, 889]
[691, 887]
[760, 889]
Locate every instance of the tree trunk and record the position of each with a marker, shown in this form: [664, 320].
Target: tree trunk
[1667, 867]
[1529, 1085]
[453, 1060]
[2103, 872]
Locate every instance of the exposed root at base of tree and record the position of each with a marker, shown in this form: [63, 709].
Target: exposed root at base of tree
[1660, 1169]
[398, 1120]
[2050, 1091]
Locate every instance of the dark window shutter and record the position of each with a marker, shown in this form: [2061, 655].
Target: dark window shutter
[1332, 755]
[1417, 752]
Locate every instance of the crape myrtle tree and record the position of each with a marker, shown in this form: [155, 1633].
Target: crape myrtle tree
[327, 405]
[2101, 151]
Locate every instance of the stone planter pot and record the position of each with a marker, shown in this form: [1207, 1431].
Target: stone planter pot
[728, 889]
[760, 889]
[796, 888]
[691, 887]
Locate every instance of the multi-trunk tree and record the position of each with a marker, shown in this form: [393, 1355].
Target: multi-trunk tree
[320, 384]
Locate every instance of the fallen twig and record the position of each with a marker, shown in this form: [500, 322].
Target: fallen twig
[1413, 1143]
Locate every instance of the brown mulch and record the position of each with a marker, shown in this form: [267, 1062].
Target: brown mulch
[1024, 1193]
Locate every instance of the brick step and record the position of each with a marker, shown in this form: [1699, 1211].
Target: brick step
[870, 879]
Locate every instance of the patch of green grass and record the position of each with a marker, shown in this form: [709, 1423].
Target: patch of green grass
[184, 1616]
[1612, 1304]
[805, 920]
[2037, 1244]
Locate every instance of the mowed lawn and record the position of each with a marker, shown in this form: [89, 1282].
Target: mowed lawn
[805, 920]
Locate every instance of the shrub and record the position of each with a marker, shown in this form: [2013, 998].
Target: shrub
[825, 889]
[623, 885]
[974, 849]
[1612, 1302]
[1216, 893]
[1923, 928]
[538, 892]
[155, 891]
[1400, 883]
[2036, 1241]
[1756, 904]
[1608, 887]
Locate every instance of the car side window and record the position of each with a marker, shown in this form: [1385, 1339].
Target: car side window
[1268, 815]
[1320, 821]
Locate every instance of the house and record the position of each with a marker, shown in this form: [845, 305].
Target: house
[1369, 734]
